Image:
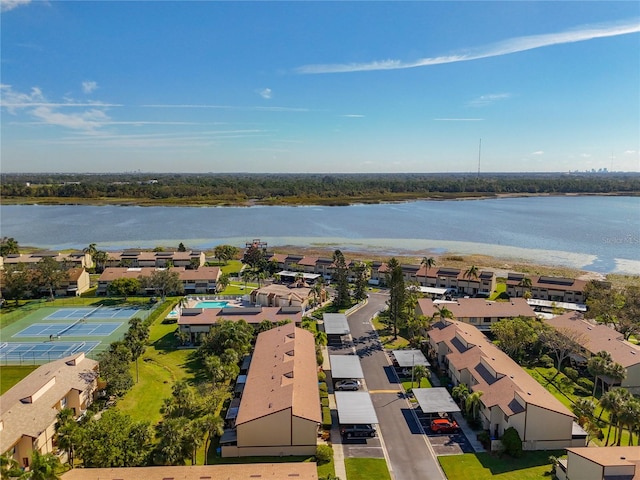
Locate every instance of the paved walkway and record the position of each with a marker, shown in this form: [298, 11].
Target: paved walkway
[336, 441]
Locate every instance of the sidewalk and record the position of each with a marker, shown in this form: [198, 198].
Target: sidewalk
[336, 441]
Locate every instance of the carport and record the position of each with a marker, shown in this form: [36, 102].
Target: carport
[355, 408]
[409, 358]
[435, 401]
[335, 326]
[345, 366]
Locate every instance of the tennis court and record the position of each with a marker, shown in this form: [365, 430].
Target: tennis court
[70, 329]
[124, 313]
[38, 352]
[51, 332]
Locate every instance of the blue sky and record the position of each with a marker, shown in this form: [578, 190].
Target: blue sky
[320, 86]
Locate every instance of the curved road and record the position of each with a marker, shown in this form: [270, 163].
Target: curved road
[409, 452]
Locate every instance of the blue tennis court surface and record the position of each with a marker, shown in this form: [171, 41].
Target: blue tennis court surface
[71, 329]
[43, 351]
[124, 313]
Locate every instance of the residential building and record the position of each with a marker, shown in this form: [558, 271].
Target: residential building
[201, 280]
[279, 410]
[74, 259]
[140, 259]
[510, 396]
[477, 311]
[554, 289]
[28, 410]
[76, 283]
[280, 295]
[199, 321]
[597, 337]
[600, 463]
[455, 278]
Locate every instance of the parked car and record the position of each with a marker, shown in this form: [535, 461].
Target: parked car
[357, 430]
[348, 385]
[444, 425]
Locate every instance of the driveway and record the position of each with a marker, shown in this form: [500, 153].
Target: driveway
[408, 452]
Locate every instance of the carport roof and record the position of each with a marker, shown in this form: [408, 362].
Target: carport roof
[355, 407]
[345, 366]
[335, 324]
[409, 358]
[435, 400]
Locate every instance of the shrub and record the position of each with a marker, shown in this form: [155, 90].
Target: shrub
[585, 383]
[484, 438]
[324, 401]
[546, 361]
[324, 454]
[572, 373]
[326, 418]
[323, 388]
[322, 376]
[512, 443]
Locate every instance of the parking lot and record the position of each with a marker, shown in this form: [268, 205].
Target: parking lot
[362, 447]
[445, 443]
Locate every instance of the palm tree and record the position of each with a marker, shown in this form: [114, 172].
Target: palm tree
[428, 262]
[100, 258]
[525, 283]
[473, 403]
[460, 393]
[419, 372]
[628, 417]
[91, 250]
[597, 366]
[44, 467]
[616, 372]
[67, 431]
[471, 272]
[247, 275]
[442, 313]
[10, 468]
[583, 408]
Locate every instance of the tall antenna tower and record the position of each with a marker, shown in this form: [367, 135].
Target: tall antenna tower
[479, 152]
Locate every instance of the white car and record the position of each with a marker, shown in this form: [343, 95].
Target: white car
[348, 385]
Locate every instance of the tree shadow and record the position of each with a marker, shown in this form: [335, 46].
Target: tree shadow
[498, 464]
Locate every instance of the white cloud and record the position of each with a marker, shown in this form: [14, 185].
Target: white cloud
[630, 152]
[484, 100]
[265, 93]
[352, 115]
[226, 107]
[6, 5]
[512, 45]
[88, 121]
[585, 155]
[538, 152]
[89, 86]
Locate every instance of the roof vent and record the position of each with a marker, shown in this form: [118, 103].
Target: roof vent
[623, 458]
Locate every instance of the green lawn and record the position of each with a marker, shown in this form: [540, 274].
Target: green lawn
[367, 469]
[484, 466]
[424, 383]
[386, 336]
[12, 374]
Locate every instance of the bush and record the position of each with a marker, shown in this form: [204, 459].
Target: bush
[512, 443]
[585, 383]
[322, 376]
[484, 439]
[324, 401]
[546, 361]
[323, 388]
[572, 373]
[326, 418]
[324, 454]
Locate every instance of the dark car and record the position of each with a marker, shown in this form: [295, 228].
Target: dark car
[359, 430]
[444, 425]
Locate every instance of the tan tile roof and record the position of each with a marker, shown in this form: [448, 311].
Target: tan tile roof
[278, 257]
[211, 316]
[282, 375]
[308, 261]
[302, 293]
[483, 357]
[599, 337]
[244, 471]
[20, 418]
[479, 307]
[202, 273]
[610, 456]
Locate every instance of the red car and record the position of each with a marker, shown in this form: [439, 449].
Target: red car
[444, 425]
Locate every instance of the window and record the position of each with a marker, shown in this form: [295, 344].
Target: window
[486, 320]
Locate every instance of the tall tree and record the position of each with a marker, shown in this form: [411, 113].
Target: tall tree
[164, 282]
[429, 263]
[515, 335]
[562, 342]
[340, 277]
[67, 433]
[361, 273]
[473, 404]
[100, 258]
[597, 366]
[49, 275]
[419, 372]
[123, 287]
[114, 368]
[181, 247]
[9, 246]
[136, 340]
[10, 468]
[16, 279]
[397, 293]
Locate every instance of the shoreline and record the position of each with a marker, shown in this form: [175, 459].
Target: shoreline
[333, 202]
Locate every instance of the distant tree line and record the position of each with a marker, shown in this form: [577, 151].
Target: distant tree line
[306, 188]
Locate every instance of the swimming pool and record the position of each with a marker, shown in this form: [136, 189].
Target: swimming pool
[211, 304]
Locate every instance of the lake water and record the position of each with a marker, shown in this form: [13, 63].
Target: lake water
[600, 234]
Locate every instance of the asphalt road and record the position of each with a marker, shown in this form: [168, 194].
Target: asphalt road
[409, 452]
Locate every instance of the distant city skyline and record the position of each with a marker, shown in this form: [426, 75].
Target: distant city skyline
[320, 87]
